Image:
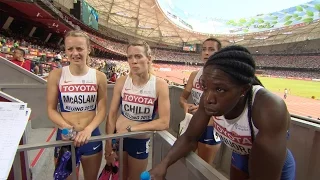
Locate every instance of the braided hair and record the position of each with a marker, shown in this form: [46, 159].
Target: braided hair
[238, 62]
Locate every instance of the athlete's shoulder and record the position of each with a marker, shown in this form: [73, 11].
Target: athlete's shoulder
[122, 79]
[264, 97]
[55, 73]
[276, 114]
[101, 74]
[161, 81]
[161, 84]
[54, 76]
[120, 83]
[193, 75]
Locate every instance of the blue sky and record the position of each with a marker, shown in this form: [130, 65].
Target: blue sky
[231, 9]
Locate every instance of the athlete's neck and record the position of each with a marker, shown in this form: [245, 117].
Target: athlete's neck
[78, 70]
[140, 79]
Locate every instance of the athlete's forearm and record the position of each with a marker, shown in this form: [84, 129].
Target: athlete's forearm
[110, 128]
[183, 102]
[56, 118]
[155, 125]
[111, 123]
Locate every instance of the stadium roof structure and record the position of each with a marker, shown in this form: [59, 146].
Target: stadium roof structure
[157, 21]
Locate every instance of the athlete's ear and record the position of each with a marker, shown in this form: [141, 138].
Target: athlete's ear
[89, 50]
[149, 59]
[245, 88]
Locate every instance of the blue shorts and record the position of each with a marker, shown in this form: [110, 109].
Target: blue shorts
[241, 162]
[136, 148]
[208, 138]
[87, 149]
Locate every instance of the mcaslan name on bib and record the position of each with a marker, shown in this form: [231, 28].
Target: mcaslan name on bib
[79, 97]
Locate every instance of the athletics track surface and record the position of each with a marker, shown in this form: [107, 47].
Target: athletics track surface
[296, 105]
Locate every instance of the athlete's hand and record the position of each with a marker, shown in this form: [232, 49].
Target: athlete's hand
[122, 131]
[193, 108]
[82, 137]
[159, 172]
[186, 107]
[110, 157]
[66, 126]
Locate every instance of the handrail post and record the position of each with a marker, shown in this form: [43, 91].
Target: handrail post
[152, 144]
[74, 166]
[28, 147]
[121, 158]
[17, 167]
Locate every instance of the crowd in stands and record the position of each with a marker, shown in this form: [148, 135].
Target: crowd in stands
[158, 54]
[46, 57]
[298, 74]
[175, 56]
[112, 68]
[10, 39]
[288, 61]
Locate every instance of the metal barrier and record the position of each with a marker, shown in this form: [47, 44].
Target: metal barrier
[28, 147]
[190, 168]
[197, 168]
[305, 118]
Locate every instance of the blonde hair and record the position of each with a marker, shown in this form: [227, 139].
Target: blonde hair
[79, 33]
[147, 52]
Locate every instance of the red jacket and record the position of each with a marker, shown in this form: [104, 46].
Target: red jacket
[26, 64]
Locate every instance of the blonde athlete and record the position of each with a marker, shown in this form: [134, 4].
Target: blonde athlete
[140, 96]
[81, 92]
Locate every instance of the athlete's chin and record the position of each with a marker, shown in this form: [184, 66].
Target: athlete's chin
[77, 61]
[137, 73]
[210, 112]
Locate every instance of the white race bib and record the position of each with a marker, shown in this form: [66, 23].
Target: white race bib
[216, 135]
[184, 123]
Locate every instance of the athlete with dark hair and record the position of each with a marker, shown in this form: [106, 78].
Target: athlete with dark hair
[208, 144]
[249, 119]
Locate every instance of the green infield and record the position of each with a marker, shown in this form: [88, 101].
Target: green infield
[295, 87]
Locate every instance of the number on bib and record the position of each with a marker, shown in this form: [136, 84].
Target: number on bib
[216, 136]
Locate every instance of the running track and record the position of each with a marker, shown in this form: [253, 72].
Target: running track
[302, 106]
[296, 105]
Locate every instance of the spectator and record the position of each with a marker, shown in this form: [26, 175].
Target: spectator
[18, 59]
